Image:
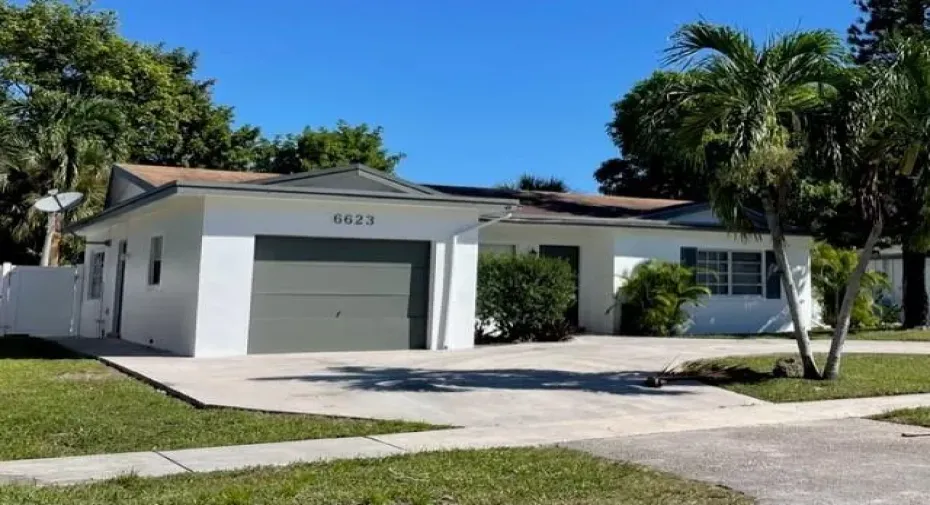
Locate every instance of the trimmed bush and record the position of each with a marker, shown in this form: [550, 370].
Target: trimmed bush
[523, 298]
[653, 298]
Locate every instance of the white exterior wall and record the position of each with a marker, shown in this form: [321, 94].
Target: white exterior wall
[163, 316]
[720, 314]
[231, 224]
[893, 266]
[595, 265]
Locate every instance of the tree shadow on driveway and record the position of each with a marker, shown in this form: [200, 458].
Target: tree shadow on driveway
[401, 379]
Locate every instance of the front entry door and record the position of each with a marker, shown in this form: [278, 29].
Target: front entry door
[570, 254]
[118, 291]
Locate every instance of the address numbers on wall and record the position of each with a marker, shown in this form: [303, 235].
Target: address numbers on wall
[354, 219]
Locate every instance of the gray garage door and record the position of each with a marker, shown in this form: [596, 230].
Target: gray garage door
[325, 294]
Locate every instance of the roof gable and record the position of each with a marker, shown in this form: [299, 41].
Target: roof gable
[354, 177]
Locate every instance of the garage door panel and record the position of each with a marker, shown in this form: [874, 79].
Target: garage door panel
[333, 305]
[324, 294]
[293, 277]
[341, 250]
[328, 334]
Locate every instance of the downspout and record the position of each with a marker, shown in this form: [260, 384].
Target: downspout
[446, 321]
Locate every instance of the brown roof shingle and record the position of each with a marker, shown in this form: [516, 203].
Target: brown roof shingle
[159, 175]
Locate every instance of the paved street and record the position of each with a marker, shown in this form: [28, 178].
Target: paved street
[838, 462]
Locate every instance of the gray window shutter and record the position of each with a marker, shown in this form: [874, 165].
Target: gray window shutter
[773, 276]
[689, 256]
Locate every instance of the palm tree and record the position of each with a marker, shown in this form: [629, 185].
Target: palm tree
[831, 269]
[654, 296]
[68, 143]
[62, 127]
[876, 133]
[743, 106]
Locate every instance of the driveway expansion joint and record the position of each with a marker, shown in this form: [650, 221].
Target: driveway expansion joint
[175, 462]
[374, 438]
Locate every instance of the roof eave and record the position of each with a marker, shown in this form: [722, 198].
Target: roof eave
[203, 188]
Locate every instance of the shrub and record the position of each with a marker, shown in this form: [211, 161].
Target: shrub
[523, 297]
[831, 268]
[653, 298]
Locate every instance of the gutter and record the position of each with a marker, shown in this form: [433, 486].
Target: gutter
[445, 325]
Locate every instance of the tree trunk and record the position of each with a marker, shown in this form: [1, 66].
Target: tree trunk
[791, 290]
[831, 370]
[915, 301]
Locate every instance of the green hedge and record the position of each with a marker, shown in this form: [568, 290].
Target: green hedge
[523, 297]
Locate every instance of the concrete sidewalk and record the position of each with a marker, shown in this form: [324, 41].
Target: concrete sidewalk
[159, 463]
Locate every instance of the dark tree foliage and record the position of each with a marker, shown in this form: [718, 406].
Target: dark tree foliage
[530, 182]
[649, 167]
[881, 18]
[868, 36]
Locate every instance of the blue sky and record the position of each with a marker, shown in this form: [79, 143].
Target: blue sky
[473, 91]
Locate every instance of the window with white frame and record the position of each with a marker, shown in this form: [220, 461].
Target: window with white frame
[95, 277]
[155, 261]
[507, 249]
[730, 272]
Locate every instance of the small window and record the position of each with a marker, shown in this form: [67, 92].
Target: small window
[95, 279]
[155, 261]
[730, 273]
[713, 271]
[507, 249]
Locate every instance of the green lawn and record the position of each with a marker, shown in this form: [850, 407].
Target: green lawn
[498, 476]
[917, 417]
[62, 405]
[902, 335]
[862, 375]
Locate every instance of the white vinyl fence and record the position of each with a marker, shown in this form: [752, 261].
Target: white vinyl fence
[40, 301]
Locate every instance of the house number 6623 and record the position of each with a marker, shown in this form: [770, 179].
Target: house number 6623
[354, 219]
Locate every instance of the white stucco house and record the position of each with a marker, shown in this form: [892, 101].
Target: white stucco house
[217, 263]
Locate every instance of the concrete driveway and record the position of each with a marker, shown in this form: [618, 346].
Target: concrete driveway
[839, 462]
[589, 378]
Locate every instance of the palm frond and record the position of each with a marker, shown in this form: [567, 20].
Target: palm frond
[694, 38]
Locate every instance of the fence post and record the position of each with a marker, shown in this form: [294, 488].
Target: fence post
[5, 270]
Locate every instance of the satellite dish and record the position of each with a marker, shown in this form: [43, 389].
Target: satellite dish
[58, 202]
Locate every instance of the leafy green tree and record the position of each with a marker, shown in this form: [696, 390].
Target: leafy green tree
[70, 47]
[65, 142]
[651, 166]
[530, 182]
[910, 223]
[653, 298]
[741, 109]
[55, 53]
[319, 148]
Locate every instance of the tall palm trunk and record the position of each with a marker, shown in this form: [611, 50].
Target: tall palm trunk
[832, 369]
[916, 303]
[791, 290]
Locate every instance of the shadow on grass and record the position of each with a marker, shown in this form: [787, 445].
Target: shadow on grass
[718, 374]
[24, 347]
